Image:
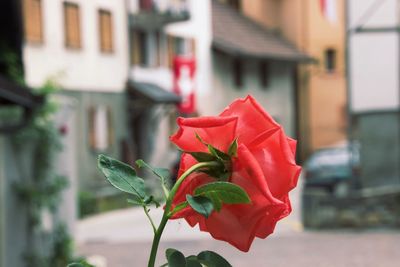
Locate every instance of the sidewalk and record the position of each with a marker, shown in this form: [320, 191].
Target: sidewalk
[131, 225]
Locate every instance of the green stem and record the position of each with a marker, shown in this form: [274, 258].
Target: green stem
[150, 219]
[166, 216]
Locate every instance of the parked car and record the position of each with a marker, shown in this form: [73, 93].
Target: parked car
[333, 169]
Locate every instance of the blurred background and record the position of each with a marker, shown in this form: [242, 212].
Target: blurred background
[84, 77]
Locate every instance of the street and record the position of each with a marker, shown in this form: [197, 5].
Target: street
[123, 238]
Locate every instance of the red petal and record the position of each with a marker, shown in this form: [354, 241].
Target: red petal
[277, 160]
[218, 131]
[252, 121]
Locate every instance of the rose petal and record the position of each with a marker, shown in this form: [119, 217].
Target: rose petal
[276, 158]
[253, 120]
[218, 131]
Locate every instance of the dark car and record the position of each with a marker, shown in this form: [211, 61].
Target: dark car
[333, 169]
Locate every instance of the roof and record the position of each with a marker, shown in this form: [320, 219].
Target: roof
[152, 93]
[13, 93]
[237, 35]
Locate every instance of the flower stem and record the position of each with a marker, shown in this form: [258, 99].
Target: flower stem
[166, 215]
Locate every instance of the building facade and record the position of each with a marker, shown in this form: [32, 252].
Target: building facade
[82, 46]
[262, 64]
[316, 28]
[373, 39]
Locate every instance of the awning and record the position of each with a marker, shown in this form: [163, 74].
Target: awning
[12, 94]
[239, 36]
[151, 93]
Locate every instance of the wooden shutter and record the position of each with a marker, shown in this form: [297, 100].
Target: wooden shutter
[106, 33]
[33, 21]
[72, 25]
[171, 49]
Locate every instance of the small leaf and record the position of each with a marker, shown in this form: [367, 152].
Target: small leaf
[175, 258]
[200, 139]
[232, 150]
[161, 173]
[121, 176]
[193, 262]
[218, 153]
[200, 204]
[213, 259]
[150, 199]
[135, 201]
[80, 264]
[228, 193]
[202, 156]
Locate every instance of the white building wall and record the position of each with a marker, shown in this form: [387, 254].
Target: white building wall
[374, 57]
[87, 68]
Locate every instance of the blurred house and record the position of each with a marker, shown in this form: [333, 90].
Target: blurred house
[83, 47]
[14, 232]
[15, 235]
[374, 96]
[152, 102]
[250, 58]
[316, 28]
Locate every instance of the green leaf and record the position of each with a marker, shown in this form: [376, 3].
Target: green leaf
[232, 150]
[200, 139]
[150, 199]
[80, 264]
[202, 156]
[122, 176]
[218, 153]
[193, 262]
[175, 258]
[161, 173]
[213, 259]
[135, 201]
[201, 204]
[224, 192]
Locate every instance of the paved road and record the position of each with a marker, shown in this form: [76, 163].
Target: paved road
[306, 249]
[123, 238]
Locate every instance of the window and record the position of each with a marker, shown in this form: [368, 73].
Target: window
[330, 60]
[100, 128]
[264, 74]
[33, 21]
[72, 26]
[237, 73]
[138, 47]
[106, 33]
[235, 4]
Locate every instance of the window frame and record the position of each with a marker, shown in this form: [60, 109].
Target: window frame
[27, 37]
[103, 49]
[67, 42]
[330, 60]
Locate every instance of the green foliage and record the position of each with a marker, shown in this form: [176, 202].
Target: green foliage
[41, 138]
[122, 177]
[80, 264]
[211, 196]
[161, 173]
[200, 204]
[225, 192]
[175, 258]
[206, 258]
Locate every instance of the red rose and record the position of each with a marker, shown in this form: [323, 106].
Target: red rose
[265, 168]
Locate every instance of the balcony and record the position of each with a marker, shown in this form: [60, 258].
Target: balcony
[154, 14]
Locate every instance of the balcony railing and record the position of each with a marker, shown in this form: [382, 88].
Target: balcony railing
[157, 13]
